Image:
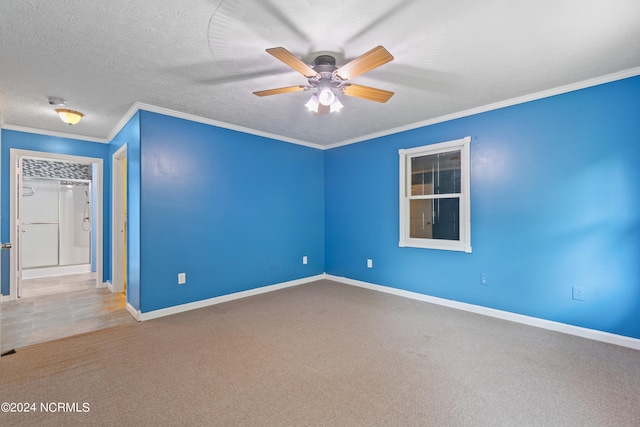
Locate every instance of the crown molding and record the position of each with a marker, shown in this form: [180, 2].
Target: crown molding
[123, 121]
[140, 106]
[137, 106]
[56, 134]
[495, 106]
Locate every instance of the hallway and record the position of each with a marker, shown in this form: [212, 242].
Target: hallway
[58, 307]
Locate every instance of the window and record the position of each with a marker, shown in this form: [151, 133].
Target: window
[434, 196]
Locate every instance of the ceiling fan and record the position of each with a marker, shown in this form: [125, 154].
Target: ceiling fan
[326, 77]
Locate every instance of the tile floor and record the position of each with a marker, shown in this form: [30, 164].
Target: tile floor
[59, 307]
[57, 284]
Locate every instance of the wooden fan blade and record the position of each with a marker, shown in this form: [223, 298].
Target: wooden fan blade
[366, 92]
[292, 61]
[365, 62]
[279, 90]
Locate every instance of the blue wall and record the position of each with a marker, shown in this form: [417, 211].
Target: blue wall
[234, 211]
[49, 144]
[555, 192]
[555, 203]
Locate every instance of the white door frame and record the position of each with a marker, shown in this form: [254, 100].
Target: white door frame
[118, 219]
[1, 241]
[16, 154]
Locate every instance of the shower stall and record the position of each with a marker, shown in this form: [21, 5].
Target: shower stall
[56, 218]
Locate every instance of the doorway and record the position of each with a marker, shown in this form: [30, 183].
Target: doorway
[78, 301]
[56, 216]
[119, 221]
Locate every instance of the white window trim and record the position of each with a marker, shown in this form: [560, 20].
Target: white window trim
[464, 244]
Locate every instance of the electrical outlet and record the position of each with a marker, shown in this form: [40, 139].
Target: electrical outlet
[305, 260]
[484, 279]
[369, 263]
[182, 278]
[578, 293]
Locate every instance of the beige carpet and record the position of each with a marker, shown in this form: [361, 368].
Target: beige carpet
[325, 354]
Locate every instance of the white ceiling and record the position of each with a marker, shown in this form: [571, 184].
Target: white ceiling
[206, 57]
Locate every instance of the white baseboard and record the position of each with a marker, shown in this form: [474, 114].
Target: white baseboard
[504, 315]
[225, 298]
[135, 313]
[109, 285]
[5, 298]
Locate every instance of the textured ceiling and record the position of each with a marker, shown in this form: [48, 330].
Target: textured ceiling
[205, 58]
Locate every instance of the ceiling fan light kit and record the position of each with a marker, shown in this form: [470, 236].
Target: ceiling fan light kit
[326, 78]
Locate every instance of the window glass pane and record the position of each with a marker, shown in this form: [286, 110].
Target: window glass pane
[446, 219]
[434, 219]
[420, 219]
[436, 174]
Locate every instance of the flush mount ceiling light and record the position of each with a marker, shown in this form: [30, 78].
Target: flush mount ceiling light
[70, 117]
[326, 77]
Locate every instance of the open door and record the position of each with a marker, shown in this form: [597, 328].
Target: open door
[16, 258]
[119, 220]
[4, 247]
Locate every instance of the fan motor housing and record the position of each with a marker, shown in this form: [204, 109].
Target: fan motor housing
[325, 60]
[324, 65]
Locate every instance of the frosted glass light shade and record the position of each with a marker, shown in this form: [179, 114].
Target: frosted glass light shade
[70, 117]
[336, 106]
[312, 104]
[326, 96]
